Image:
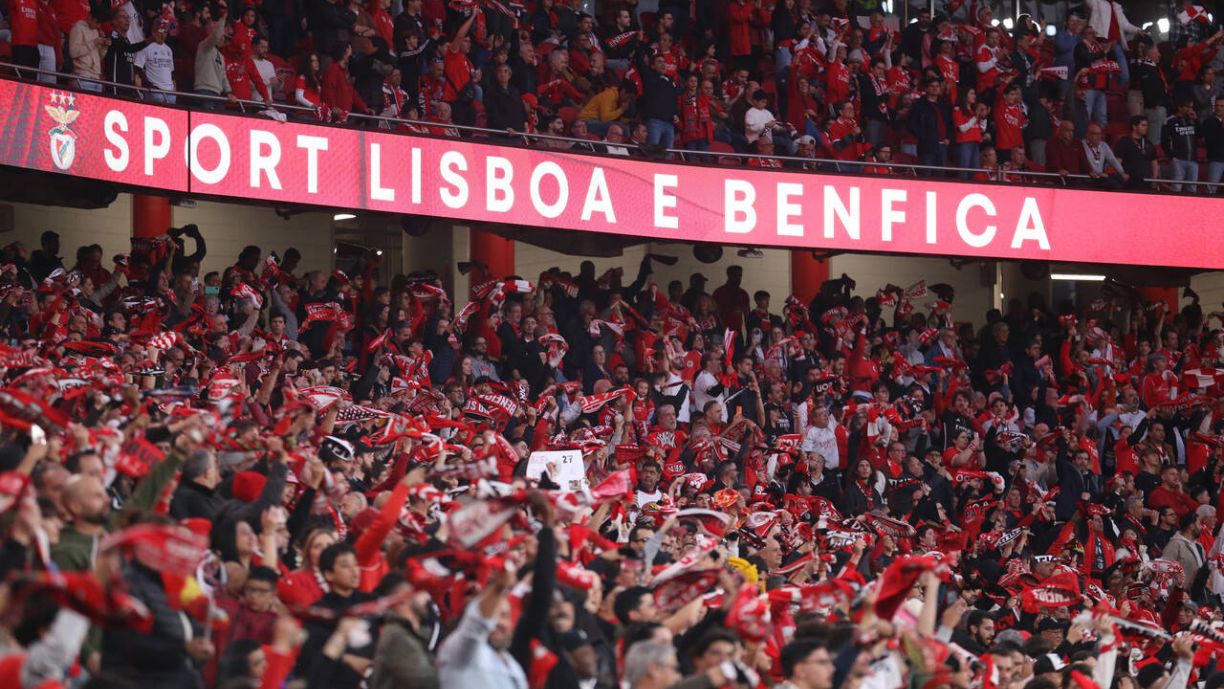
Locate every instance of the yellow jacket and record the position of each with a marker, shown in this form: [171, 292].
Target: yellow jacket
[603, 106]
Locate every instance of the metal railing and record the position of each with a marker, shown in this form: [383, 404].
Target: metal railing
[582, 146]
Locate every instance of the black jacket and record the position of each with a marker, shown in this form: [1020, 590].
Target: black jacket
[1213, 138]
[1151, 83]
[659, 94]
[158, 659]
[117, 64]
[924, 121]
[1179, 136]
[193, 500]
[1071, 486]
[504, 108]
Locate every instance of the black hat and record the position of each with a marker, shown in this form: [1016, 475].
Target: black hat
[574, 640]
[1049, 624]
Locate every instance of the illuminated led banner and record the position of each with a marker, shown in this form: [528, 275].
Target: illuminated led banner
[257, 158]
[61, 131]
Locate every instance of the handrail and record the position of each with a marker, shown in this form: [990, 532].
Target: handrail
[141, 93]
[869, 163]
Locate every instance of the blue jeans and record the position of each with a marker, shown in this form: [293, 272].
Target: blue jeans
[87, 85]
[1094, 103]
[1184, 170]
[598, 127]
[936, 157]
[699, 145]
[209, 103]
[660, 132]
[1123, 63]
[874, 133]
[968, 155]
[1215, 171]
[160, 97]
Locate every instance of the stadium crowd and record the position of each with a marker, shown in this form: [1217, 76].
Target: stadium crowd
[1097, 100]
[260, 478]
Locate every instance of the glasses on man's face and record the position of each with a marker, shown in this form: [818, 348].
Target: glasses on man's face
[257, 591]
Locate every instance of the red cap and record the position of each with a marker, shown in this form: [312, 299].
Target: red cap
[199, 526]
[248, 485]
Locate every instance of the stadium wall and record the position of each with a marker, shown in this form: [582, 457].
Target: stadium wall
[226, 228]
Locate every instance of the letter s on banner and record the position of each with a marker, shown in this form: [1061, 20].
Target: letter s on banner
[112, 124]
[452, 164]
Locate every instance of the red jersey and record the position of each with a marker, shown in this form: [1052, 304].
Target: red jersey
[383, 24]
[840, 129]
[837, 82]
[23, 22]
[1010, 120]
[69, 12]
[950, 71]
[900, 82]
[1157, 388]
[696, 118]
[808, 63]
[674, 62]
[765, 162]
[308, 92]
[458, 73]
[987, 59]
[48, 30]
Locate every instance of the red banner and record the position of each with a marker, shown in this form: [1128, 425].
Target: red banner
[92, 136]
[251, 157]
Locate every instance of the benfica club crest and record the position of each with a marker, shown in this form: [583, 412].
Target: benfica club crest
[63, 140]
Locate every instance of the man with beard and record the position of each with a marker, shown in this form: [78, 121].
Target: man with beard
[647, 487]
[978, 633]
[1185, 548]
[88, 507]
[402, 658]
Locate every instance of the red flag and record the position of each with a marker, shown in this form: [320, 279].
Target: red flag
[749, 614]
[897, 580]
[476, 521]
[164, 548]
[1059, 591]
[82, 592]
[593, 403]
[616, 486]
[378, 341]
[245, 291]
[137, 457]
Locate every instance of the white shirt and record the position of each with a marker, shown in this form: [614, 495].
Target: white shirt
[267, 72]
[466, 659]
[157, 61]
[823, 441]
[702, 397]
[755, 122]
